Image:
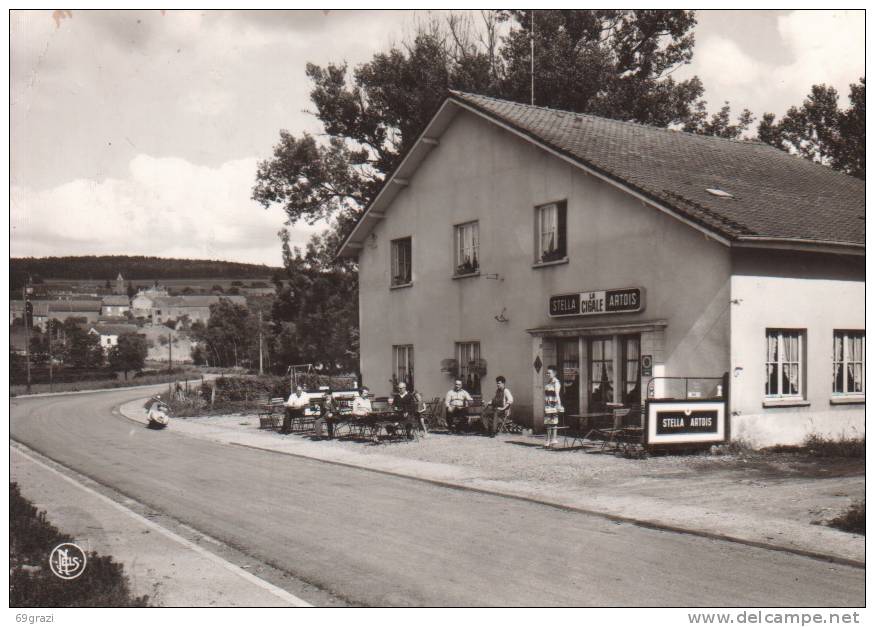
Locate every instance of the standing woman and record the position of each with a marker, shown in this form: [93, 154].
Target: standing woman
[552, 406]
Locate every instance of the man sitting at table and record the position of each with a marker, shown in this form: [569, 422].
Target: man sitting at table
[361, 404]
[404, 403]
[456, 401]
[295, 406]
[500, 407]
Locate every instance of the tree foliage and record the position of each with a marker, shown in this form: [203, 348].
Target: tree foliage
[720, 123]
[821, 131]
[129, 353]
[614, 63]
[228, 338]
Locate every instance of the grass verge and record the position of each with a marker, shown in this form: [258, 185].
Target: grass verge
[31, 581]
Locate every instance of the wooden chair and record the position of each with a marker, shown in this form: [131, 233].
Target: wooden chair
[269, 412]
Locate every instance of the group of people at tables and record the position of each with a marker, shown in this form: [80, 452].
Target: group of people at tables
[408, 407]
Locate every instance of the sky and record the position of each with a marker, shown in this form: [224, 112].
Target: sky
[139, 132]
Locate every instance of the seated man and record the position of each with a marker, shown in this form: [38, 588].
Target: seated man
[456, 401]
[361, 405]
[295, 406]
[404, 403]
[500, 406]
[326, 417]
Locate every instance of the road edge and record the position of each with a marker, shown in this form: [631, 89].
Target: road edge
[69, 475]
[648, 524]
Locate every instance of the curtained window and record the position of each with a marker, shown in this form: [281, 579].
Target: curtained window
[849, 363]
[402, 264]
[551, 231]
[467, 248]
[402, 366]
[784, 363]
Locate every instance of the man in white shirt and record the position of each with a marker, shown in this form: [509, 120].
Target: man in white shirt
[361, 404]
[295, 406]
[455, 402]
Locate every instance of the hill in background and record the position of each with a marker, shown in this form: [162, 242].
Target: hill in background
[132, 268]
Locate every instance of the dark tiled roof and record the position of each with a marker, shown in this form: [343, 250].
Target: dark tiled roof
[196, 300]
[115, 329]
[775, 194]
[74, 305]
[40, 307]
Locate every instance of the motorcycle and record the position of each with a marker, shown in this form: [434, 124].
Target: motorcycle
[157, 412]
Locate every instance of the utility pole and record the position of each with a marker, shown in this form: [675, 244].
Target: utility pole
[170, 354]
[260, 352]
[532, 51]
[24, 292]
[51, 373]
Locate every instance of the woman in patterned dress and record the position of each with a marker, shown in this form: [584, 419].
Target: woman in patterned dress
[552, 406]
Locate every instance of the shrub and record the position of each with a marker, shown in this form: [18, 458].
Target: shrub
[819, 446]
[31, 581]
[853, 519]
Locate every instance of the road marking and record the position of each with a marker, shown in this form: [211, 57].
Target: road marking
[261, 583]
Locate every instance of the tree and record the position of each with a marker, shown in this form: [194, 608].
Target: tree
[821, 131]
[228, 338]
[132, 291]
[611, 63]
[719, 125]
[80, 348]
[129, 353]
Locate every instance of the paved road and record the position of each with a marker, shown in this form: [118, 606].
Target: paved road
[374, 539]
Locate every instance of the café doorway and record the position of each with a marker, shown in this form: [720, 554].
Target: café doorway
[568, 362]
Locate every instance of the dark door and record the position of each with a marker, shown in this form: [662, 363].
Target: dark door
[568, 358]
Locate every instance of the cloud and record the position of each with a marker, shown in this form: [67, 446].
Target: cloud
[164, 206]
[776, 71]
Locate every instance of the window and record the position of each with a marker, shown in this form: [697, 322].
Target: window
[467, 248]
[784, 363]
[402, 269]
[550, 232]
[601, 372]
[849, 362]
[402, 365]
[471, 368]
[632, 369]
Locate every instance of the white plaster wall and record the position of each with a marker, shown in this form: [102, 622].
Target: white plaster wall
[480, 172]
[784, 290]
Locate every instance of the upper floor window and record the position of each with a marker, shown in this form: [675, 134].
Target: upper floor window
[402, 261]
[849, 362]
[467, 248]
[784, 363]
[551, 232]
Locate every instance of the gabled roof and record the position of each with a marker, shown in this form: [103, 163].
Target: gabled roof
[195, 300]
[74, 305]
[40, 307]
[114, 329]
[774, 198]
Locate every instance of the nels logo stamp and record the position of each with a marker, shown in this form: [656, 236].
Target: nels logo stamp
[67, 561]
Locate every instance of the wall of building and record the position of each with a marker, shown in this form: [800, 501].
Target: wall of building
[817, 293]
[480, 172]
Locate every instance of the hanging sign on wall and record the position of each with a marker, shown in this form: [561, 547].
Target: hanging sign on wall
[623, 300]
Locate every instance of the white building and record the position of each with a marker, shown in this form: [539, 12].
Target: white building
[511, 237]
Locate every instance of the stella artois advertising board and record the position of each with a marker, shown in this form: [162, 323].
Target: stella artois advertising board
[673, 422]
[623, 300]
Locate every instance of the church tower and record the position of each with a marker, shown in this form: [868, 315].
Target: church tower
[119, 284]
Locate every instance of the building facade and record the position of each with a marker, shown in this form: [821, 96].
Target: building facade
[115, 306]
[511, 238]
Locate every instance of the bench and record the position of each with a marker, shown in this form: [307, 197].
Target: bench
[269, 412]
